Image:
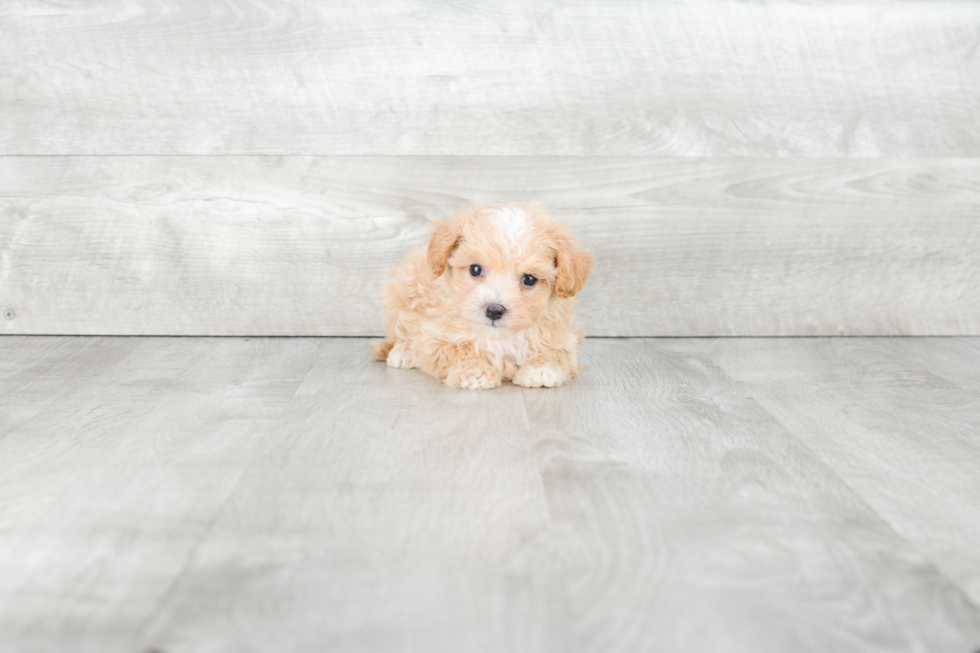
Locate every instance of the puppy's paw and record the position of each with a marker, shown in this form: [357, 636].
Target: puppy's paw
[401, 357]
[473, 375]
[539, 376]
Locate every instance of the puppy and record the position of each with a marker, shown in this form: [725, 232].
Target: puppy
[489, 300]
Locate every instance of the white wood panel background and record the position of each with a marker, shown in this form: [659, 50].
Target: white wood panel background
[301, 245]
[124, 210]
[546, 77]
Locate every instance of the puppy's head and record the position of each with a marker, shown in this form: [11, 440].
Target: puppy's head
[506, 264]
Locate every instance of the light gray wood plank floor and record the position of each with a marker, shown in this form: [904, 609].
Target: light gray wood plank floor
[290, 494]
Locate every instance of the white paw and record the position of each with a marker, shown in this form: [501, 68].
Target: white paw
[544, 376]
[401, 357]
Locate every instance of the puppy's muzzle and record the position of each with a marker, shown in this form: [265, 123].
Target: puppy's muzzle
[495, 312]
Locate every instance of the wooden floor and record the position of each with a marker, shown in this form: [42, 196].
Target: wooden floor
[250, 494]
[227, 168]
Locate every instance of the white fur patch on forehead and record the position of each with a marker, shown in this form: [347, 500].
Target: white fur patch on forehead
[512, 224]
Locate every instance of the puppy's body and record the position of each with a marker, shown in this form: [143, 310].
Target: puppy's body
[490, 299]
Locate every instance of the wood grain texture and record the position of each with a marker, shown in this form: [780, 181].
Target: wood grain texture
[804, 79]
[37, 373]
[387, 513]
[204, 494]
[686, 517]
[898, 420]
[105, 494]
[302, 245]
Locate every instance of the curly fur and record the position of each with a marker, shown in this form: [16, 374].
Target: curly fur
[436, 311]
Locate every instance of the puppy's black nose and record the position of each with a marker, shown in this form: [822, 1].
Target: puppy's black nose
[495, 311]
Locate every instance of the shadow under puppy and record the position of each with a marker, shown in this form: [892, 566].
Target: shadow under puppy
[490, 299]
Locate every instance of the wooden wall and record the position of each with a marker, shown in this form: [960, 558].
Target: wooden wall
[208, 167]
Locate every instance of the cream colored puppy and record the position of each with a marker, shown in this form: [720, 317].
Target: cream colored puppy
[490, 299]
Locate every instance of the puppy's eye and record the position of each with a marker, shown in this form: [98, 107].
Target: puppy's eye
[476, 270]
[529, 280]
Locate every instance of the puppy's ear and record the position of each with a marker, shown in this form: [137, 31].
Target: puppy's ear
[573, 263]
[445, 237]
